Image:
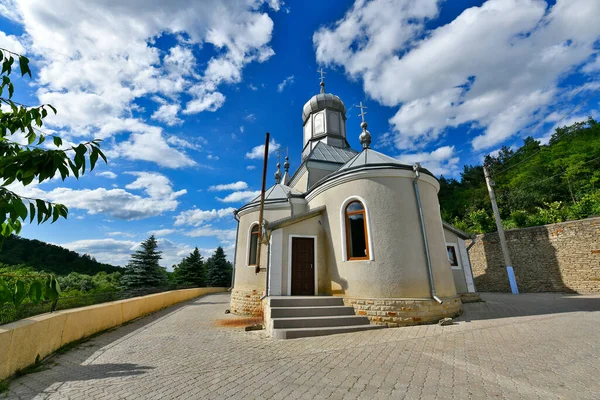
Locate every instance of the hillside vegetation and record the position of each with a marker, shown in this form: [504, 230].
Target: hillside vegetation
[535, 184]
[50, 258]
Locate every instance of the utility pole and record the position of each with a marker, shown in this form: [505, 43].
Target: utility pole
[503, 244]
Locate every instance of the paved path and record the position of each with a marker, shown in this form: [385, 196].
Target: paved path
[533, 346]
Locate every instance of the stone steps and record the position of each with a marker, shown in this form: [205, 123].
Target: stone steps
[306, 316]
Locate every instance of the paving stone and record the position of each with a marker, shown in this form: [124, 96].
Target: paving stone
[532, 346]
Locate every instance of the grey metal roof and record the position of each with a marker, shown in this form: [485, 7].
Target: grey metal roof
[368, 157]
[456, 231]
[296, 218]
[321, 101]
[277, 192]
[325, 152]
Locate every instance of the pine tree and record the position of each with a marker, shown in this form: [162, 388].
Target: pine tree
[218, 269]
[143, 269]
[191, 270]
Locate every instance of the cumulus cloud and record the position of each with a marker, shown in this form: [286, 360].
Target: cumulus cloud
[107, 174]
[240, 196]
[96, 62]
[197, 217]
[158, 197]
[208, 231]
[239, 185]
[440, 161]
[258, 152]
[161, 232]
[497, 67]
[287, 81]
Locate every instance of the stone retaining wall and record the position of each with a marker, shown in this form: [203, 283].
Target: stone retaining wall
[562, 257]
[246, 302]
[405, 312]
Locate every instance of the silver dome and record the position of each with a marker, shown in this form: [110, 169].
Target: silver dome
[320, 101]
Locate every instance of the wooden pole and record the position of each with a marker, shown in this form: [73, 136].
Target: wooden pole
[509, 269]
[262, 203]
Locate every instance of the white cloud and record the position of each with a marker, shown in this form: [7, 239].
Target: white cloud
[162, 232]
[211, 157]
[116, 203]
[250, 117]
[242, 129]
[250, 167]
[236, 197]
[496, 67]
[118, 252]
[107, 174]
[183, 144]
[124, 234]
[95, 63]
[12, 43]
[197, 217]
[167, 113]
[258, 152]
[239, 185]
[287, 81]
[208, 231]
[442, 161]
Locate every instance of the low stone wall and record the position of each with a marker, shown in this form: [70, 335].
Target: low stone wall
[246, 302]
[562, 257]
[24, 341]
[405, 312]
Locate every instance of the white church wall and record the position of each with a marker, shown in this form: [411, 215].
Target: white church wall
[458, 272]
[245, 275]
[398, 268]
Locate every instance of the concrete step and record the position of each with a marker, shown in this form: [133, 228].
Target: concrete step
[316, 322]
[295, 333]
[284, 312]
[305, 301]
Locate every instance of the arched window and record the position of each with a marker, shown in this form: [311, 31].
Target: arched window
[357, 239]
[253, 245]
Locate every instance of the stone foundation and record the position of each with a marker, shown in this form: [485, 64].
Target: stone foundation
[405, 312]
[469, 297]
[246, 302]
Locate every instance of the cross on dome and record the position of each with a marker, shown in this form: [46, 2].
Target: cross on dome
[322, 79]
[365, 136]
[362, 111]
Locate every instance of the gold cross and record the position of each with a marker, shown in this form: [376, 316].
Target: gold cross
[362, 111]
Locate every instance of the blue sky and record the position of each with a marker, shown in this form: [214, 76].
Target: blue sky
[182, 93]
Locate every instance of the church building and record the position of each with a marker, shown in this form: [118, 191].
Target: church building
[351, 240]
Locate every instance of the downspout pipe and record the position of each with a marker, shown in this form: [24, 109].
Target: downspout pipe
[237, 231]
[434, 296]
[267, 289]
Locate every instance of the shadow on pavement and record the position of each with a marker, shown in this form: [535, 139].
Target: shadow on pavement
[505, 305]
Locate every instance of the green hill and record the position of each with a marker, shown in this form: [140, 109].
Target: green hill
[50, 258]
[535, 184]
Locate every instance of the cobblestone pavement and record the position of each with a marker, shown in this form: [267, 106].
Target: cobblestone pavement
[532, 346]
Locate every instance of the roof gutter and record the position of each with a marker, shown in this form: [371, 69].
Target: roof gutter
[434, 296]
[237, 231]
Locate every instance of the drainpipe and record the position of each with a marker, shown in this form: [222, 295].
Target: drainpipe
[237, 231]
[268, 268]
[473, 241]
[424, 232]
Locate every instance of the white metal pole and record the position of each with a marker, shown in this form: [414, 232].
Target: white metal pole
[503, 244]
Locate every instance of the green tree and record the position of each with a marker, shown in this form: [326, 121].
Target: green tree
[25, 163]
[218, 269]
[191, 270]
[143, 269]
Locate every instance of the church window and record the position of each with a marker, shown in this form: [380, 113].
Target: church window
[253, 245]
[357, 241]
[452, 256]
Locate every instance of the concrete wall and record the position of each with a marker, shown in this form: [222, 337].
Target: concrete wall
[398, 267]
[562, 257]
[458, 272]
[23, 341]
[245, 277]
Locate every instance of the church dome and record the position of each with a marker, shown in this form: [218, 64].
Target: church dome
[321, 101]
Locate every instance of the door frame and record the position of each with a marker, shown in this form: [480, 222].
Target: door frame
[289, 280]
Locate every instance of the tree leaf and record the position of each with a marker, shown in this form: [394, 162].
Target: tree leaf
[57, 140]
[31, 212]
[24, 66]
[20, 293]
[35, 291]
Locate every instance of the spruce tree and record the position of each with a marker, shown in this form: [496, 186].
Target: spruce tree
[218, 269]
[143, 269]
[191, 270]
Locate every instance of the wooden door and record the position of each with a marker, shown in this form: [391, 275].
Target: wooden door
[303, 268]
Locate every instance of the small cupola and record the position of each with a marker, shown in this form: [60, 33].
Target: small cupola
[324, 120]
